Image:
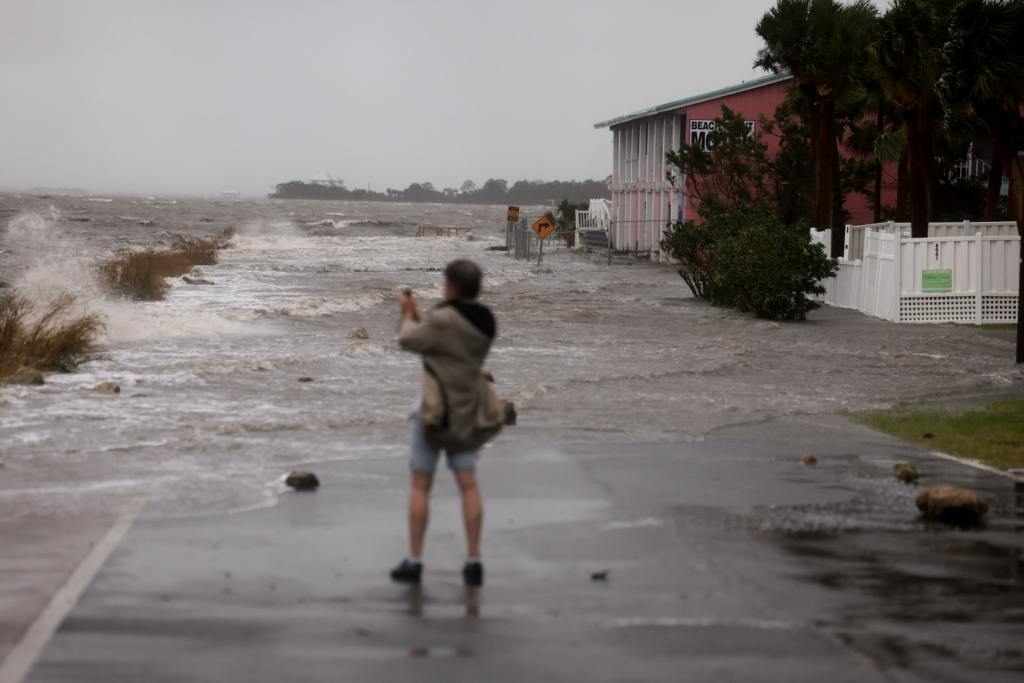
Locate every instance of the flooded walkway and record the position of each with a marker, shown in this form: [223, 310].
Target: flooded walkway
[724, 560]
[659, 440]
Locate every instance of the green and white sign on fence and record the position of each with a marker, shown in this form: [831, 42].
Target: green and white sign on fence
[937, 280]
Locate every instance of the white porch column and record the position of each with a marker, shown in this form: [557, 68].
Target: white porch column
[897, 252]
[979, 278]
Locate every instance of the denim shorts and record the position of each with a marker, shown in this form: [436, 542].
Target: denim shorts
[423, 457]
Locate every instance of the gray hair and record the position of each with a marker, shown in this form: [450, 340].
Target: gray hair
[465, 277]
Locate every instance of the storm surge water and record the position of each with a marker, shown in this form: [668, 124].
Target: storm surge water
[211, 412]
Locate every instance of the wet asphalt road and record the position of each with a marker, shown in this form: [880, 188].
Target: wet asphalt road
[727, 560]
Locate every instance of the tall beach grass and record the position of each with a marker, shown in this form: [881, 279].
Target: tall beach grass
[141, 275]
[52, 336]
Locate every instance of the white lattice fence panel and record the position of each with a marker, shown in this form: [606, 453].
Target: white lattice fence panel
[938, 309]
[999, 309]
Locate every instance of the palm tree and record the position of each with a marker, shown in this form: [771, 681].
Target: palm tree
[907, 60]
[822, 43]
[984, 71]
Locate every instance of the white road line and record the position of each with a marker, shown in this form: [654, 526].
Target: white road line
[21, 658]
[966, 461]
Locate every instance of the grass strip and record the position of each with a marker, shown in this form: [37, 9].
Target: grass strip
[993, 434]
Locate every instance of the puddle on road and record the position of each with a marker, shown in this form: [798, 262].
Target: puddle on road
[703, 622]
[440, 651]
[912, 593]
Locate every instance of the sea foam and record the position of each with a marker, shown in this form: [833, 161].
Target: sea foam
[59, 262]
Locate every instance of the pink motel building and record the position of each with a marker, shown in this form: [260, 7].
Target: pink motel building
[643, 201]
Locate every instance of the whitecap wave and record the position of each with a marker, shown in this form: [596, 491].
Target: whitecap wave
[57, 260]
[328, 223]
[363, 350]
[134, 322]
[320, 306]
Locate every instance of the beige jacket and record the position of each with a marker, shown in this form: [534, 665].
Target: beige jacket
[459, 409]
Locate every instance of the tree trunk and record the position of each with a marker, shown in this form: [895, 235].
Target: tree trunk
[903, 188]
[814, 123]
[1016, 195]
[824, 150]
[877, 193]
[995, 184]
[926, 128]
[918, 168]
[1020, 308]
[838, 217]
[1015, 169]
[1005, 128]
[838, 246]
[1016, 202]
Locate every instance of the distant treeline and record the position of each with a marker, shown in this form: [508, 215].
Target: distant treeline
[494, 191]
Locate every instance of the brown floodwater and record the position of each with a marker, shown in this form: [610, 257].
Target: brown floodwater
[211, 412]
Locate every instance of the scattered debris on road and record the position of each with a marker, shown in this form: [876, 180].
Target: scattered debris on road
[107, 388]
[952, 505]
[302, 481]
[906, 472]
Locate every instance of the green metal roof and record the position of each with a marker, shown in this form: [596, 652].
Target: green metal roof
[697, 99]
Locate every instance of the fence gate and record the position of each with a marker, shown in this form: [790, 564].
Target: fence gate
[520, 239]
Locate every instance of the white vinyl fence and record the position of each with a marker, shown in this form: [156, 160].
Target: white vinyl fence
[593, 225]
[962, 272]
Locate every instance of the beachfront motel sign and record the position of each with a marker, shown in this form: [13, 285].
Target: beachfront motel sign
[701, 128]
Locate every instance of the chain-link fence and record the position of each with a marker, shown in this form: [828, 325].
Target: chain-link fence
[522, 242]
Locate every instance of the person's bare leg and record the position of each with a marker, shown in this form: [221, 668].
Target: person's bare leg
[472, 510]
[419, 512]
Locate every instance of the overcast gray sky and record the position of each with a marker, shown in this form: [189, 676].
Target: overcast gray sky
[190, 96]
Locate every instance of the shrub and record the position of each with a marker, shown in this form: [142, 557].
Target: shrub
[58, 338]
[692, 245]
[139, 275]
[749, 258]
[203, 251]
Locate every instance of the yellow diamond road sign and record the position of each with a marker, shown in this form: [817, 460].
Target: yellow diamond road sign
[543, 227]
